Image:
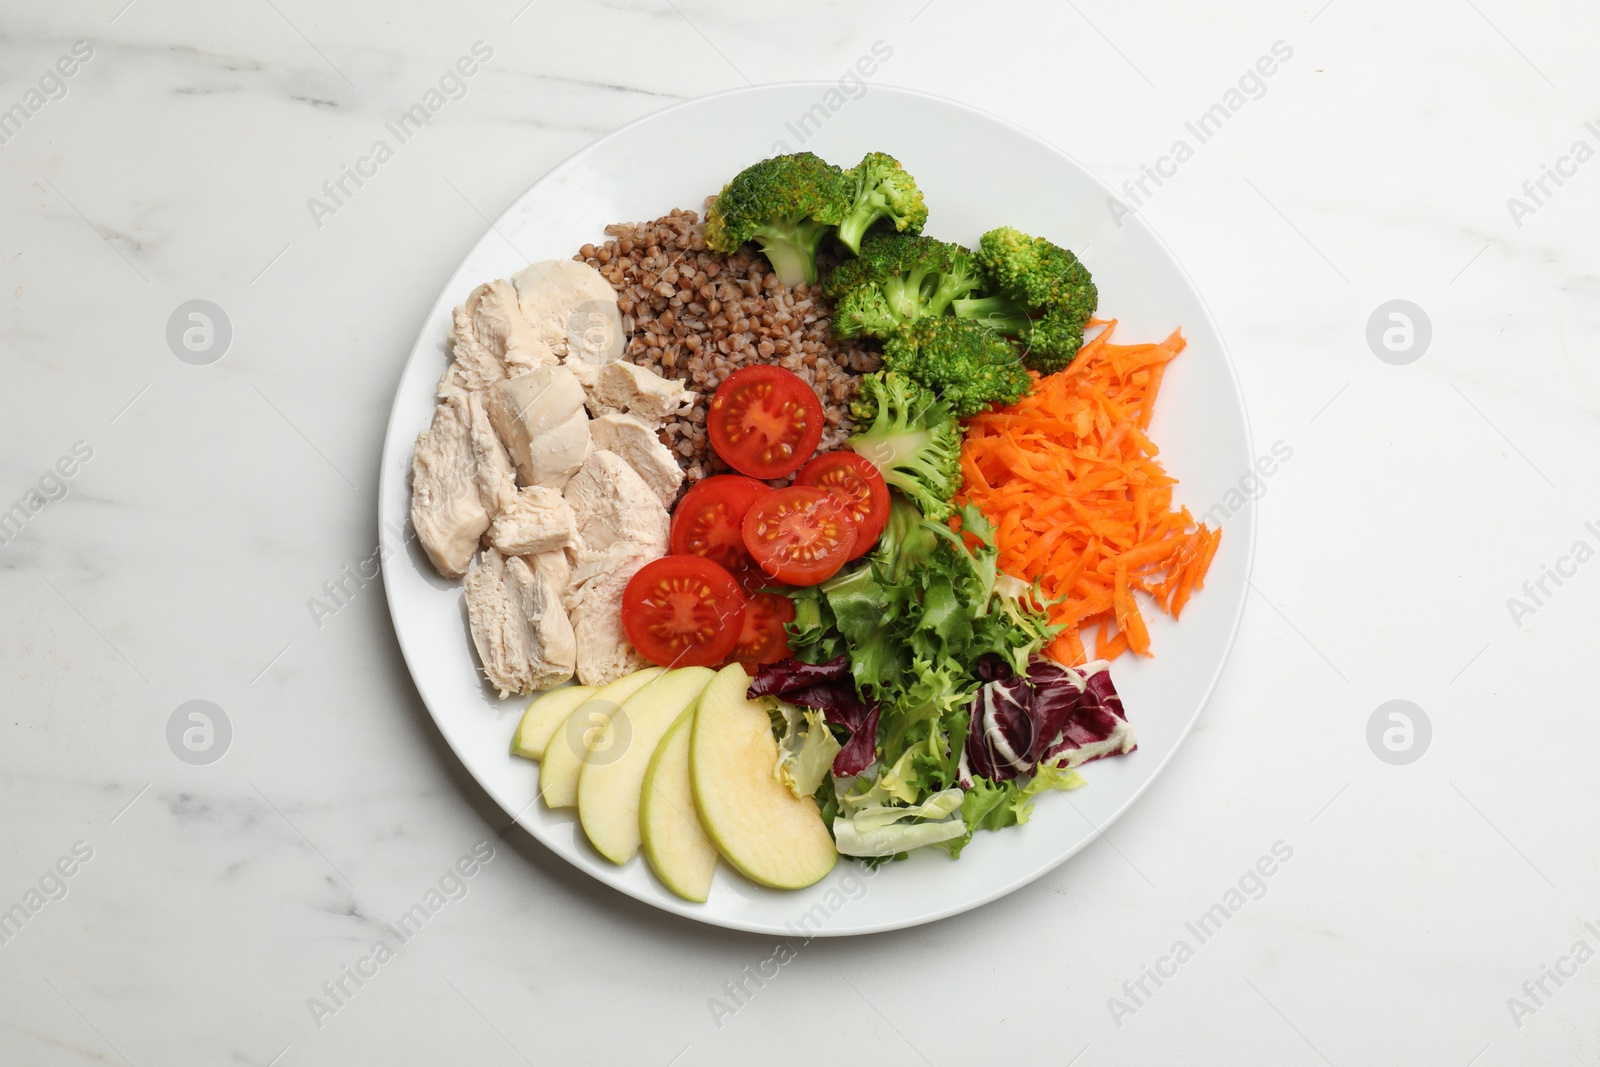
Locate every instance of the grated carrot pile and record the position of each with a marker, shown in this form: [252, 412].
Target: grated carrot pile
[1080, 502]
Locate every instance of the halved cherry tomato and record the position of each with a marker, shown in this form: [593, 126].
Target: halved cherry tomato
[683, 611]
[801, 535]
[764, 421]
[763, 638]
[858, 483]
[709, 520]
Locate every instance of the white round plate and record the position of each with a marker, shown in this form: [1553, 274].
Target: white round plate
[977, 172]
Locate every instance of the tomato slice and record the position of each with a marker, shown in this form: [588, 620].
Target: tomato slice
[683, 611]
[709, 520]
[857, 482]
[801, 535]
[764, 421]
[763, 638]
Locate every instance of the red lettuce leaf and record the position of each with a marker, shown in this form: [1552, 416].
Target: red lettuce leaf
[829, 688]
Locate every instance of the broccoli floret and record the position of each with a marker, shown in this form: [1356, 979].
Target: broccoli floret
[969, 366]
[787, 204]
[999, 313]
[1052, 342]
[863, 310]
[1043, 279]
[913, 439]
[914, 276]
[882, 190]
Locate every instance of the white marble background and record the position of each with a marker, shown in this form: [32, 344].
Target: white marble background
[1419, 498]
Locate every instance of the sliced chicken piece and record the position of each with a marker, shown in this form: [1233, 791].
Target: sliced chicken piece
[614, 505]
[572, 309]
[497, 478]
[604, 654]
[523, 636]
[446, 511]
[636, 441]
[627, 387]
[474, 366]
[499, 325]
[535, 520]
[586, 565]
[621, 527]
[554, 567]
[540, 417]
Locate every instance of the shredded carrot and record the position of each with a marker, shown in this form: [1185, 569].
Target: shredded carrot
[1080, 502]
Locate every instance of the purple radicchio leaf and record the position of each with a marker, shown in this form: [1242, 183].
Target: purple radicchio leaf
[991, 667]
[775, 679]
[1000, 738]
[1053, 715]
[829, 688]
[858, 752]
[1094, 726]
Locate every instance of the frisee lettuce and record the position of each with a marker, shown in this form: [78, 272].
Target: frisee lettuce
[805, 751]
[894, 839]
[916, 617]
[996, 805]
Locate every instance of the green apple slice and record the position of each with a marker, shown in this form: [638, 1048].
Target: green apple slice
[769, 835]
[675, 844]
[564, 751]
[547, 711]
[613, 772]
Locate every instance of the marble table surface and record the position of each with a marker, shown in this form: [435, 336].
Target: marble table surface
[1426, 538]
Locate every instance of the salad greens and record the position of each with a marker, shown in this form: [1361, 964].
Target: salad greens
[918, 619]
[806, 750]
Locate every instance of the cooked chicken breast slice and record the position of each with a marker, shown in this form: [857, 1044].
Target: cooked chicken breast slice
[524, 638]
[604, 654]
[497, 478]
[554, 567]
[637, 442]
[446, 510]
[586, 565]
[536, 519]
[541, 419]
[627, 387]
[572, 308]
[500, 326]
[613, 504]
[474, 367]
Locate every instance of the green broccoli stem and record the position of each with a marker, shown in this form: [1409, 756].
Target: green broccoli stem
[904, 299]
[950, 289]
[853, 227]
[792, 249]
[999, 313]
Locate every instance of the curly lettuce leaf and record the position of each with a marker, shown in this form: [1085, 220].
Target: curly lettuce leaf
[806, 750]
[895, 838]
[996, 805]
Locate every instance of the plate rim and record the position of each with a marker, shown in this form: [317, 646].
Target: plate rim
[389, 472]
